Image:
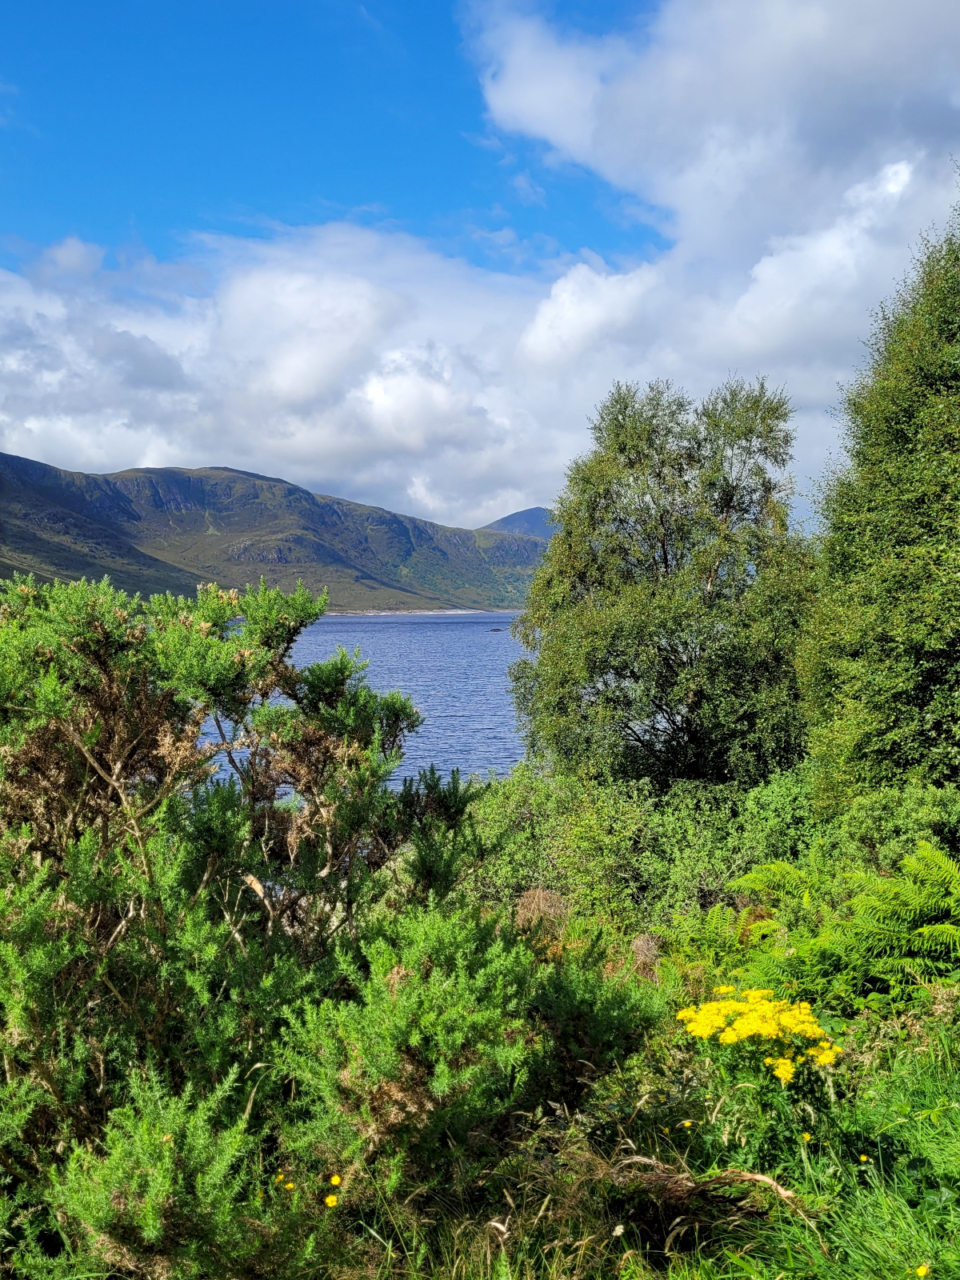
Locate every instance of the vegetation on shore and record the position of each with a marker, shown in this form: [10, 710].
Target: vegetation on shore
[677, 998]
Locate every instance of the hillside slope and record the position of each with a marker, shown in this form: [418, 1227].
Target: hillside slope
[532, 522]
[167, 528]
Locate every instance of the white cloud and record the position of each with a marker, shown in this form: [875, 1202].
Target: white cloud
[528, 191]
[585, 307]
[357, 362]
[792, 151]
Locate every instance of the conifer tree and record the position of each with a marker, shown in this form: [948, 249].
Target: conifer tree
[881, 660]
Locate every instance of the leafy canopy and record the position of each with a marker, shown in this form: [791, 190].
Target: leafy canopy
[662, 621]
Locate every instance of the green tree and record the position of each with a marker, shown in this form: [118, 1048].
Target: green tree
[881, 661]
[662, 623]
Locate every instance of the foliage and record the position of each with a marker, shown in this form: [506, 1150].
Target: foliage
[663, 619]
[619, 851]
[880, 661]
[884, 934]
[156, 924]
[234, 963]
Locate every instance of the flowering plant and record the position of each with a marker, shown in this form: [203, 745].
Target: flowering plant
[756, 1016]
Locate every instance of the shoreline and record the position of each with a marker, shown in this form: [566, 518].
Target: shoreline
[409, 613]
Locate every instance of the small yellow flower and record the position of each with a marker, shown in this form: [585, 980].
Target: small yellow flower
[259, 1195]
[168, 1137]
[687, 1124]
[288, 1186]
[330, 1202]
[279, 1177]
[864, 1159]
[807, 1137]
[335, 1180]
[923, 1271]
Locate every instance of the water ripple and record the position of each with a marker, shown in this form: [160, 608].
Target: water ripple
[453, 666]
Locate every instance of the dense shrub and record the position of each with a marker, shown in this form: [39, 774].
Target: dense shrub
[624, 853]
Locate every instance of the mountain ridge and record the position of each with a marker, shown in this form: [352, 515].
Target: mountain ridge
[169, 528]
[534, 522]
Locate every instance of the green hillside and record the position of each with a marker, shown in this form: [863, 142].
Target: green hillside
[164, 528]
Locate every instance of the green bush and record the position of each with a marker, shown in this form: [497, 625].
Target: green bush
[430, 1053]
[622, 853]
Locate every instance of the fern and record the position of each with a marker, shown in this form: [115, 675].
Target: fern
[913, 916]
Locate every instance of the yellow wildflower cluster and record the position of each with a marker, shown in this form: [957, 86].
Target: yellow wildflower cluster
[756, 1015]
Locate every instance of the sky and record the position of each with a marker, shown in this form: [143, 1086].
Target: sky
[399, 252]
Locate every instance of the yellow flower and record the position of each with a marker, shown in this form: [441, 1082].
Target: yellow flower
[806, 1136]
[864, 1159]
[687, 1124]
[279, 1177]
[755, 1015]
[330, 1201]
[288, 1186]
[923, 1271]
[259, 1195]
[784, 1070]
[335, 1180]
[168, 1137]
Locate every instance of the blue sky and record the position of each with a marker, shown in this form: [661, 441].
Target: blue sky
[399, 252]
[140, 124]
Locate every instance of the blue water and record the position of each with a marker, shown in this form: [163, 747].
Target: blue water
[453, 667]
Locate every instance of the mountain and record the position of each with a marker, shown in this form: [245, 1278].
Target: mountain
[165, 528]
[532, 523]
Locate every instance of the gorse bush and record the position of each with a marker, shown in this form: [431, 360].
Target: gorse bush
[233, 962]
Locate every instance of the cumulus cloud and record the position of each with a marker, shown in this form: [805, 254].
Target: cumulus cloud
[354, 361]
[789, 152]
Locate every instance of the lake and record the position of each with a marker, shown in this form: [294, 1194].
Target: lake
[453, 667]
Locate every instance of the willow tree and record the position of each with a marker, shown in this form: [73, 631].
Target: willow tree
[881, 665]
[663, 621]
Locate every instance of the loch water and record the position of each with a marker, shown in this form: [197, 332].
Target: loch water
[452, 666]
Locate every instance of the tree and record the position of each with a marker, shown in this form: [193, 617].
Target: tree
[663, 619]
[881, 660]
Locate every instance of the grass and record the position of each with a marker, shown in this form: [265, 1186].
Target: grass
[873, 1195]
